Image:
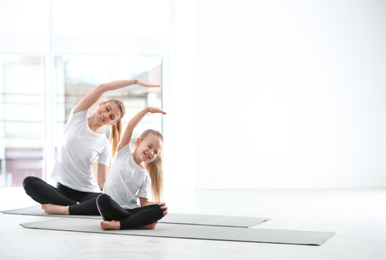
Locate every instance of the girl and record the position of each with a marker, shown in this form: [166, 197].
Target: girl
[134, 175]
[83, 140]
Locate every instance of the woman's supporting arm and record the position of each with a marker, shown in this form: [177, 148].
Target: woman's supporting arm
[102, 175]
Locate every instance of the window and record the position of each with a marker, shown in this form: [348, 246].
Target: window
[22, 118]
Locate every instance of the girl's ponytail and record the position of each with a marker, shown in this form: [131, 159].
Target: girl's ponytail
[156, 175]
[155, 170]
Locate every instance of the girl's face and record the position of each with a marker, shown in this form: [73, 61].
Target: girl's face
[108, 113]
[148, 148]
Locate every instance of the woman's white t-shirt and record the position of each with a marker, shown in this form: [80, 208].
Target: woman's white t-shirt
[80, 146]
[126, 180]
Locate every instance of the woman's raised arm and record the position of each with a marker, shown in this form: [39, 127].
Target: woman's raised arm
[87, 101]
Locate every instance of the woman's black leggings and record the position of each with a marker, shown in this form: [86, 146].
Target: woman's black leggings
[129, 218]
[43, 193]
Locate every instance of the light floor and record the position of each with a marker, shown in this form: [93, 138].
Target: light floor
[358, 216]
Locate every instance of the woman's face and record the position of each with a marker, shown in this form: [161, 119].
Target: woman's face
[108, 113]
[148, 148]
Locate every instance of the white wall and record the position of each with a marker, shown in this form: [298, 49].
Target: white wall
[179, 101]
[289, 94]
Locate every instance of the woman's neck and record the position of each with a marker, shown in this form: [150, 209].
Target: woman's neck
[94, 126]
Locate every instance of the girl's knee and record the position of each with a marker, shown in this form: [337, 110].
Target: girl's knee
[160, 212]
[102, 199]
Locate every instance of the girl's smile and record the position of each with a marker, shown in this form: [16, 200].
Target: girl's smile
[147, 156]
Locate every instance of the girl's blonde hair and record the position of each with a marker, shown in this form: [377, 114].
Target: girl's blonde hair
[116, 129]
[155, 169]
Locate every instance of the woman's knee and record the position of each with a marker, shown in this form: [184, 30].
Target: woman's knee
[29, 181]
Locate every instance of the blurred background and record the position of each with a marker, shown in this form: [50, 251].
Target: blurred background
[259, 94]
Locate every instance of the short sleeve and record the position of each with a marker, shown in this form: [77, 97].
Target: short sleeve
[79, 114]
[104, 156]
[124, 151]
[76, 118]
[144, 190]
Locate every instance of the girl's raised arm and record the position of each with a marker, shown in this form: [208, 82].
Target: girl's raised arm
[87, 101]
[128, 133]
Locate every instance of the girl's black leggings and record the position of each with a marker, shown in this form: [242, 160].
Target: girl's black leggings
[43, 193]
[129, 218]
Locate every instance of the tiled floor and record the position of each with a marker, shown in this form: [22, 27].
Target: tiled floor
[358, 216]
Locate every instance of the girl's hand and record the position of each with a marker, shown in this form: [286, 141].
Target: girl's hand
[164, 207]
[155, 110]
[145, 84]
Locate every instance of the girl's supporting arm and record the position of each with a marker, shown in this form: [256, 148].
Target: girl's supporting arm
[145, 202]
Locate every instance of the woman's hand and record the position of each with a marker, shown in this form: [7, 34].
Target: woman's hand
[164, 207]
[155, 110]
[145, 84]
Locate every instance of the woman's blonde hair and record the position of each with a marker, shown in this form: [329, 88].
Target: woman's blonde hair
[155, 169]
[116, 129]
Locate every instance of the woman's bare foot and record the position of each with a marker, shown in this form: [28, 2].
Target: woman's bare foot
[150, 226]
[53, 209]
[108, 225]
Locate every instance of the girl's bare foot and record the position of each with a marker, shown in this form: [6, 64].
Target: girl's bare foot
[109, 225]
[116, 225]
[53, 209]
[150, 226]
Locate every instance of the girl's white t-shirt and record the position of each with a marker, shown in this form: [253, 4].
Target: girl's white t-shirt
[126, 180]
[79, 148]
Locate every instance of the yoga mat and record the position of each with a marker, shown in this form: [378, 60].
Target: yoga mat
[175, 218]
[190, 232]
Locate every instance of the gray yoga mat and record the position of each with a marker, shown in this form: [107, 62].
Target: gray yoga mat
[190, 232]
[174, 218]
